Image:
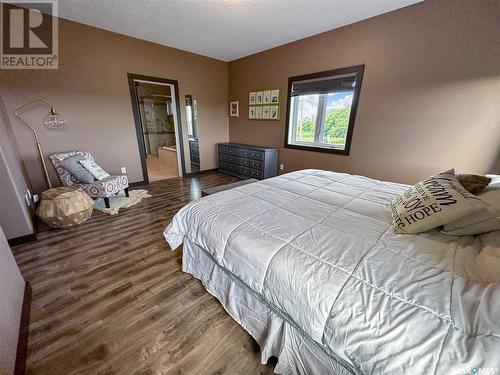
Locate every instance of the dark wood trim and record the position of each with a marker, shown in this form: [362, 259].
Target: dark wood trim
[23, 239]
[346, 151]
[197, 173]
[138, 123]
[359, 70]
[138, 126]
[24, 326]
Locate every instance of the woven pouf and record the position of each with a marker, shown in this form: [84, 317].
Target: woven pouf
[65, 206]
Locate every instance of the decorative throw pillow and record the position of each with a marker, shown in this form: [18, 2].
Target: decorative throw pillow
[94, 169]
[473, 183]
[431, 203]
[482, 221]
[73, 166]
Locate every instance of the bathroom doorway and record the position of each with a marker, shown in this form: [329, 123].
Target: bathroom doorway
[157, 117]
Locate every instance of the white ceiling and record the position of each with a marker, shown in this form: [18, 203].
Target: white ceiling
[223, 29]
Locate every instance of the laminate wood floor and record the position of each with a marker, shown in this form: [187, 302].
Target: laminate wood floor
[109, 297]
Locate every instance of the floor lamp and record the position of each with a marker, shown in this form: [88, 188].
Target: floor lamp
[52, 120]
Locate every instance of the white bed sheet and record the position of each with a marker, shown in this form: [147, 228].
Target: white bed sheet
[318, 246]
[275, 335]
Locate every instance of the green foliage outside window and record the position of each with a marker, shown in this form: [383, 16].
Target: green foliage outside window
[335, 129]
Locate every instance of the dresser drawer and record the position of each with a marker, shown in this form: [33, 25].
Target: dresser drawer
[194, 146]
[224, 165]
[239, 161]
[257, 165]
[256, 174]
[239, 169]
[195, 158]
[224, 157]
[236, 151]
[259, 155]
[223, 149]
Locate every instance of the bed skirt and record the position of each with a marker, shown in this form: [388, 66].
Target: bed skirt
[275, 335]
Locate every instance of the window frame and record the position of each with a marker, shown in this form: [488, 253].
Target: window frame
[359, 70]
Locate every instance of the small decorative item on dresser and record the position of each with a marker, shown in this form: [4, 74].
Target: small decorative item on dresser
[234, 109]
[65, 206]
[248, 161]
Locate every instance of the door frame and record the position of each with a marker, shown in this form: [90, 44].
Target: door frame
[132, 78]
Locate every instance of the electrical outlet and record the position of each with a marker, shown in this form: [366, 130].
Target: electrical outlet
[282, 167]
[36, 198]
[124, 170]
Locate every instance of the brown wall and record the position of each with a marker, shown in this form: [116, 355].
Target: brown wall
[15, 217]
[90, 89]
[11, 302]
[430, 98]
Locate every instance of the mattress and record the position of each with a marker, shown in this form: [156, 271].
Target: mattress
[318, 246]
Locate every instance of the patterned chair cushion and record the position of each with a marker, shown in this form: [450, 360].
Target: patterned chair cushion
[67, 178]
[98, 189]
[107, 187]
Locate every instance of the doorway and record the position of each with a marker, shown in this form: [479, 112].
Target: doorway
[155, 103]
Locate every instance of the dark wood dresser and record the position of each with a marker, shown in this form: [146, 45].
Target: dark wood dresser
[248, 161]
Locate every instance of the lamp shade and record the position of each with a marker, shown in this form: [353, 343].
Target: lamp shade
[54, 120]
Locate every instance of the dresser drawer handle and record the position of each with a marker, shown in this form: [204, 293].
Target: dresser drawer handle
[257, 155]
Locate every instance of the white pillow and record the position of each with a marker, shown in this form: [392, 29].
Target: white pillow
[482, 221]
[436, 201]
[495, 182]
[94, 169]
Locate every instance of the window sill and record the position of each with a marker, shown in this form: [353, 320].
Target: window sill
[318, 149]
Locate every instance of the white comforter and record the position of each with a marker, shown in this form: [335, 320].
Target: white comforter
[318, 246]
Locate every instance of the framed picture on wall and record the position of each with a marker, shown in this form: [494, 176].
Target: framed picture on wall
[274, 113]
[234, 110]
[259, 97]
[258, 112]
[266, 112]
[275, 96]
[251, 98]
[266, 97]
[264, 105]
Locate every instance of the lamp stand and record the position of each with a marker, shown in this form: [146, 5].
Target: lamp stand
[35, 135]
[44, 165]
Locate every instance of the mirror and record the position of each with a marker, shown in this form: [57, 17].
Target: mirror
[192, 125]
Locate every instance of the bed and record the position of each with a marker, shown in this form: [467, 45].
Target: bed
[308, 264]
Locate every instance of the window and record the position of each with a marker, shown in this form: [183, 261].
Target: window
[322, 108]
